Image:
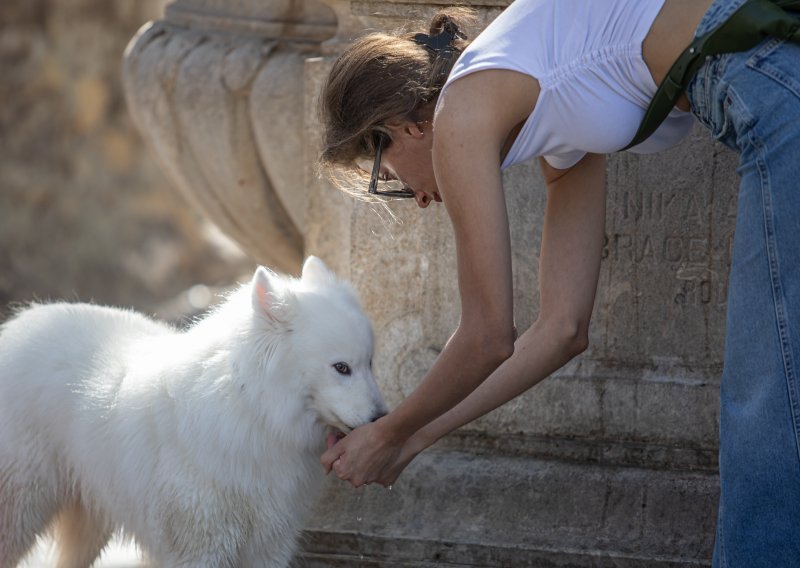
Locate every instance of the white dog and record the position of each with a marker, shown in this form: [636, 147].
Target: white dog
[201, 445]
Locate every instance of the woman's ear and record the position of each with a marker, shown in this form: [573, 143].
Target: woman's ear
[415, 130]
[406, 128]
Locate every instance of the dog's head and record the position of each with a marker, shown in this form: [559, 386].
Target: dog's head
[319, 340]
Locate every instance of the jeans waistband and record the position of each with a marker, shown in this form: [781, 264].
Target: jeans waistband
[705, 91]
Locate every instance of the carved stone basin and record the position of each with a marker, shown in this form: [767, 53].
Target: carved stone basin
[216, 90]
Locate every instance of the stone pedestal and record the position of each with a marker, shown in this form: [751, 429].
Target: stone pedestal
[216, 89]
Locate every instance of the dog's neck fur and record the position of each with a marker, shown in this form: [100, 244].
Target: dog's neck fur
[221, 360]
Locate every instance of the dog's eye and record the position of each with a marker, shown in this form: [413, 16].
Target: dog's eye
[342, 368]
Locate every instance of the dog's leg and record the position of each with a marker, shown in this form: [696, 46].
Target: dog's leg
[26, 510]
[80, 536]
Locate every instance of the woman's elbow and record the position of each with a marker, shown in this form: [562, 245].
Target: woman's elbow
[577, 344]
[494, 346]
[571, 335]
[503, 349]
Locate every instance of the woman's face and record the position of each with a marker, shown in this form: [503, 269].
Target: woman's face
[408, 159]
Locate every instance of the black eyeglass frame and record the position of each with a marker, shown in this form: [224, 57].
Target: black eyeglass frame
[376, 170]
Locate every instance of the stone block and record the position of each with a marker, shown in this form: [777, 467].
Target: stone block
[480, 509]
[663, 289]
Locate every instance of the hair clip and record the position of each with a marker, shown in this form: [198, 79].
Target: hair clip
[441, 41]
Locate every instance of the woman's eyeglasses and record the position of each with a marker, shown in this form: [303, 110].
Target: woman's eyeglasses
[397, 189]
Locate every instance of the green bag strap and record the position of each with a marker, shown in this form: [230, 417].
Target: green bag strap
[754, 21]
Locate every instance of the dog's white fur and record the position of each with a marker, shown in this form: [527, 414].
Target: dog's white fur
[201, 445]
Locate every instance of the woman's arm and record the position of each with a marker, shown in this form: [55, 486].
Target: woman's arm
[572, 243]
[470, 130]
[469, 135]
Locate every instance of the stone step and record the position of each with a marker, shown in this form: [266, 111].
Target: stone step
[461, 508]
[654, 419]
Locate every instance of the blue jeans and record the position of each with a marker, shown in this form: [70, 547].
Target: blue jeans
[751, 102]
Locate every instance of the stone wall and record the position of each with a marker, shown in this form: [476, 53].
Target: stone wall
[84, 211]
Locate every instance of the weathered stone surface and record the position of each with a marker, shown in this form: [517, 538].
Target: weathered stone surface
[393, 14]
[476, 509]
[661, 305]
[199, 126]
[329, 211]
[308, 20]
[216, 89]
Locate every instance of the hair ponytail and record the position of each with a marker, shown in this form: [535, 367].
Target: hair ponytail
[456, 19]
[445, 41]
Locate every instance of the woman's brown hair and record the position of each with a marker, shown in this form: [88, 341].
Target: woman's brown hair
[382, 78]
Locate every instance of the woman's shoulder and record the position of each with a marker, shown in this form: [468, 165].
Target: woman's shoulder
[486, 102]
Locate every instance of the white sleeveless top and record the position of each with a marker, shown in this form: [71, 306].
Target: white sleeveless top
[594, 83]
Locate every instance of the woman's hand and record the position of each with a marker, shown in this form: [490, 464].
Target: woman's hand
[366, 455]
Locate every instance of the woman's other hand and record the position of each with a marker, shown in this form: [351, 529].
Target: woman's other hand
[367, 454]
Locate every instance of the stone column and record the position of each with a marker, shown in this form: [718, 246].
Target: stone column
[216, 89]
[610, 462]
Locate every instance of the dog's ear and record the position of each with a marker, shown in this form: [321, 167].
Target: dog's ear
[315, 272]
[269, 295]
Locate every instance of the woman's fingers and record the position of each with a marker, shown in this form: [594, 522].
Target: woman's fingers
[331, 455]
[362, 457]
